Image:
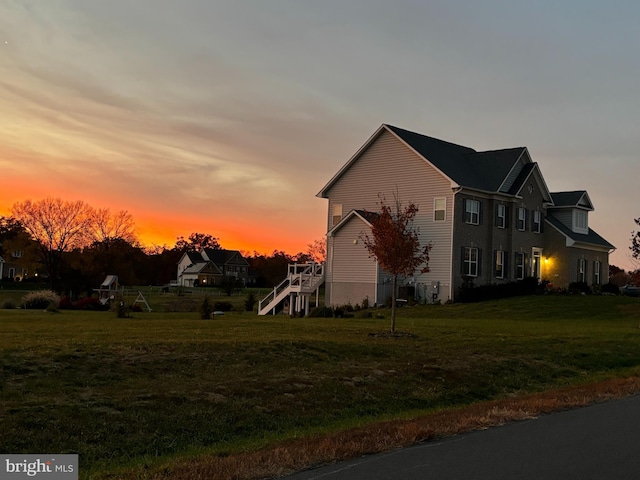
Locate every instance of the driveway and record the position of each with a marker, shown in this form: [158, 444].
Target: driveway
[597, 442]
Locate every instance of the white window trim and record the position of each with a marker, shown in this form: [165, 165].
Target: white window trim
[472, 212]
[336, 214]
[502, 216]
[537, 221]
[596, 272]
[470, 263]
[582, 270]
[436, 209]
[520, 256]
[499, 261]
[522, 217]
[580, 221]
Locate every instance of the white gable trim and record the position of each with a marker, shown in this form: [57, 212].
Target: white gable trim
[515, 164]
[383, 128]
[346, 219]
[540, 181]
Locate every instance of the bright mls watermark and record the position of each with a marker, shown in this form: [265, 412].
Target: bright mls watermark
[44, 466]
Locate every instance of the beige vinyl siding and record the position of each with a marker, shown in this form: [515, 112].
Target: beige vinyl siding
[385, 167]
[565, 216]
[353, 275]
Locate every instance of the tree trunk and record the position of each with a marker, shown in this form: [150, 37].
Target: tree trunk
[393, 303]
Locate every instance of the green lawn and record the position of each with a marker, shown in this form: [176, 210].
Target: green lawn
[128, 392]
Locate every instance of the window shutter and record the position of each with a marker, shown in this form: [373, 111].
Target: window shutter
[464, 212]
[497, 219]
[495, 263]
[505, 267]
[507, 212]
[541, 222]
[526, 217]
[479, 272]
[462, 261]
[479, 212]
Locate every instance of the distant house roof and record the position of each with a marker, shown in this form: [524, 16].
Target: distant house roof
[487, 171]
[222, 257]
[202, 267]
[591, 238]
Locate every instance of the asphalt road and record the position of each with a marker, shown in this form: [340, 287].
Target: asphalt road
[598, 442]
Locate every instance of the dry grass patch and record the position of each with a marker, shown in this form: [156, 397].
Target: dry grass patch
[295, 455]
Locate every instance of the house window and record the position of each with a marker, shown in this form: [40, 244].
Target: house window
[439, 209]
[501, 216]
[472, 212]
[582, 270]
[17, 254]
[337, 214]
[522, 218]
[580, 222]
[470, 262]
[520, 270]
[537, 221]
[596, 272]
[500, 261]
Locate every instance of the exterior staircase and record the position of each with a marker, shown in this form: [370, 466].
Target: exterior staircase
[303, 280]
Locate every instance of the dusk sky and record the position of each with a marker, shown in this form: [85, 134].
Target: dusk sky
[228, 117]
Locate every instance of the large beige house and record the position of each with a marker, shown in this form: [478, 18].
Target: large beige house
[488, 215]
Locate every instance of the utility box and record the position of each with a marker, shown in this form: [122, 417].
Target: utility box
[435, 290]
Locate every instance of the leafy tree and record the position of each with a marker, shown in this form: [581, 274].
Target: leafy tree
[196, 242]
[57, 225]
[270, 270]
[395, 244]
[250, 302]
[229, 284]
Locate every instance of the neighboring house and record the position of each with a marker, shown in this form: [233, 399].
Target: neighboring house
[489, 217]
[14, 268]
[209, 266]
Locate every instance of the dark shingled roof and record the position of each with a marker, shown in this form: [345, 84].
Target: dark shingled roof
[222, 257]
[592, 237]
[567, 199]
[368, 216]
[468, 168]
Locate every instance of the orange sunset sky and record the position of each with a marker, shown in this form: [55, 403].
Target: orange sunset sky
[227, 117]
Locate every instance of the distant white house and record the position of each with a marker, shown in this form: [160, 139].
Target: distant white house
[210, 266]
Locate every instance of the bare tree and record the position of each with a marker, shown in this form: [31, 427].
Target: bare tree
[57, 226]
[395, 244]
[107, 227]
[317, 250]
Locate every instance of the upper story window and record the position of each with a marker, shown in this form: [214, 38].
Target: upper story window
[336, 214]
[522, 218]
[501, 216]
[439, 209]
[537, 221]
[17, 254]
[580, 222]
[472, 211]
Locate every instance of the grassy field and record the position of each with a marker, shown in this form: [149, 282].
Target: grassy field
[131, 394]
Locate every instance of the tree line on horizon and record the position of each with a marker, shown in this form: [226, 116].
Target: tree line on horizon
[72, 247]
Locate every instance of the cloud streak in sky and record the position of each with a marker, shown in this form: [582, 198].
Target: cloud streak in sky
[228, 117]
